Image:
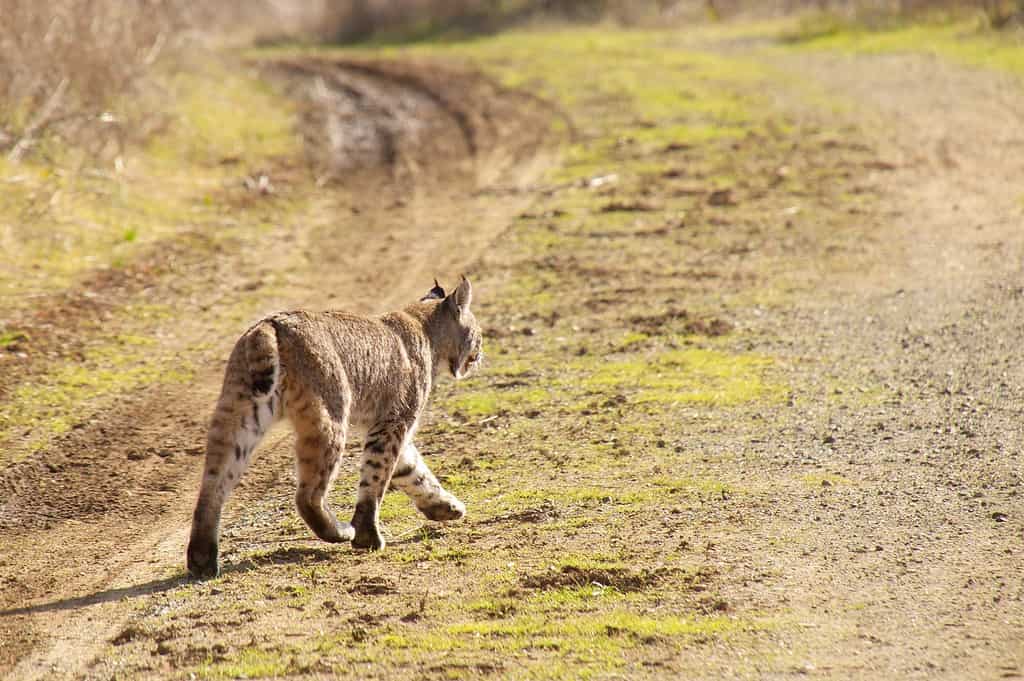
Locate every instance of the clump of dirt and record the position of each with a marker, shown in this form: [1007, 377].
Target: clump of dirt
[538, 514]
[628, 207]
[621, 578]
[713, 605]
[372, 586]
[129, 634]
[708, 327]
[449, 670]
[688, 324]
[721, 197]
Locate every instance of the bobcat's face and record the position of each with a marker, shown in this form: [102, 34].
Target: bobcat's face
[462, 337]
[470, 348]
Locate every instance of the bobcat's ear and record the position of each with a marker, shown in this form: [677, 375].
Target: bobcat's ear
[436, 293]
[461, 297]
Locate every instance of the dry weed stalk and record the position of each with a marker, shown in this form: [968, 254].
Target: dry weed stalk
[65, 63]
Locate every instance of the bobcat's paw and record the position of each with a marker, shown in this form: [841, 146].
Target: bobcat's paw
[368, 538]
[341, 532]
[367, 534]
[202, 560]
[452, 509]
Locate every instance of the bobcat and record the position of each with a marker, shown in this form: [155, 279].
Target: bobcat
[326, 371]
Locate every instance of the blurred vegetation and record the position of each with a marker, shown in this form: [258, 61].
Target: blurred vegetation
[883, 14]
[360, 20]
[77, 70]
[62, 63]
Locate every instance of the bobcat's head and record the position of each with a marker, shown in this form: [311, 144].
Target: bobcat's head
[461, 340]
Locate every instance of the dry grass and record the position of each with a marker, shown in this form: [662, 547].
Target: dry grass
[72, 69]
[63, 64]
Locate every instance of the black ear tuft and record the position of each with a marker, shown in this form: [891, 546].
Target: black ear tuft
[436, 293]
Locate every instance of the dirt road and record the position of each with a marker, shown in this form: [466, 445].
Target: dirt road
[924, 538]
[88, 521]
[867, 525]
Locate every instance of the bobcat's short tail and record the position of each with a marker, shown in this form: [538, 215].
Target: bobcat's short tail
[262, 358]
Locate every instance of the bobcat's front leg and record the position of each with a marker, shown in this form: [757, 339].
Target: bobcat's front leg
[380, 453]
[414, 478]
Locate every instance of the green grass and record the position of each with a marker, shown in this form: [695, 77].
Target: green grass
[225, 114]
[248, 663]
[11, 338]
[961, 41]
[482, 403]
[692, 375]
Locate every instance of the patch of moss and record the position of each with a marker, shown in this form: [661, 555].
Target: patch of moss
[595, 638]
[9, 339]
[578, 598]
[585, 645]
[488, 402]
[633, 338]
[591, 561]
[247, 663]
[691, 375]
[437, 554]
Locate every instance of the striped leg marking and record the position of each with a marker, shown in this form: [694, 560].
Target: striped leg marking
[237, 427]
[414, 478]
[380, 453]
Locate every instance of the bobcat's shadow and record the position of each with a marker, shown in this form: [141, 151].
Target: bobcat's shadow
[281, 556]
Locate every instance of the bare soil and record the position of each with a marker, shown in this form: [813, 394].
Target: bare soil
[120, 484]
[928, 304]
[871, 522]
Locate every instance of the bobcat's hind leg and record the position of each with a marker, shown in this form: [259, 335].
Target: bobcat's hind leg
[414, 478]
[239, 423]
[319, 446]
[383, 444]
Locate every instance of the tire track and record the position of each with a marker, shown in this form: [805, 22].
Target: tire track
[87, 526]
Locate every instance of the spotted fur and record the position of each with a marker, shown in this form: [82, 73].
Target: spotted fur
[330, 373]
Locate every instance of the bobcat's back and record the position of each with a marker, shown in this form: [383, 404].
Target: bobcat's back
[378, 365]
